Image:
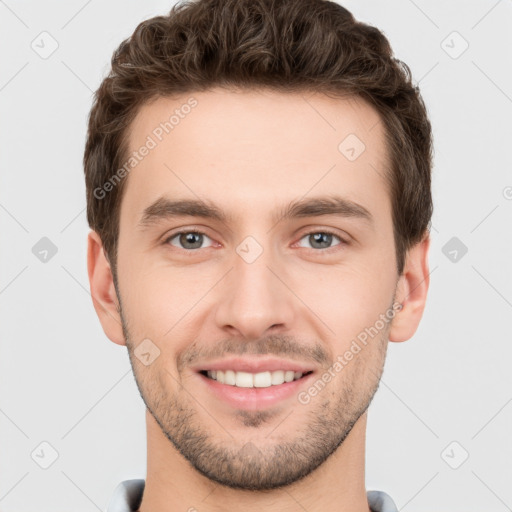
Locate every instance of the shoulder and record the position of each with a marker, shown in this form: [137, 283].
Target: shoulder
[127, 496]
[379, 501]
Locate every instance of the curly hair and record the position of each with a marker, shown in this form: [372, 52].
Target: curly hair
[281, 45]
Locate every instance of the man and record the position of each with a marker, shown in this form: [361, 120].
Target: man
[258, 181]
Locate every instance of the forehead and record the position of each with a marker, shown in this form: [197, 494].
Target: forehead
[250, 150]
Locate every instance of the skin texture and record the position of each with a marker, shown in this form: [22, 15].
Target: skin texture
[251, 153]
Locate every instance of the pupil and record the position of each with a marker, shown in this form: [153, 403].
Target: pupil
[188, 238]
[326, 237]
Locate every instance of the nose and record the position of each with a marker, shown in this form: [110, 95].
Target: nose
[254, 298]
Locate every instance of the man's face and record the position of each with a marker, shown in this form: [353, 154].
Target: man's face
[257, 286]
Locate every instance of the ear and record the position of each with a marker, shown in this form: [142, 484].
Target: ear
[411, 292]
[103, 292]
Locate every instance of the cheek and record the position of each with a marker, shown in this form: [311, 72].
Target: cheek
[346, 298]
[162, 304]
[155, 296]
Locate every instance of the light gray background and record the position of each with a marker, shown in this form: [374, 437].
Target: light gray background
[63, 382]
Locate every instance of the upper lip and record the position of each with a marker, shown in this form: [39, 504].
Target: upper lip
[254, 365]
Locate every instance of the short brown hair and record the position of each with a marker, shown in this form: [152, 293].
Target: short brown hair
[281, 45]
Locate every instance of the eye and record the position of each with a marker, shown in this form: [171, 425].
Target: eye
[322, 239]
[188, 239]
[192, 239]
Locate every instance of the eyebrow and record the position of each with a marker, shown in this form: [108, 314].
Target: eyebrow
[164, 208]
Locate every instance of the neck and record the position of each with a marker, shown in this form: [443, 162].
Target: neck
[338, 485]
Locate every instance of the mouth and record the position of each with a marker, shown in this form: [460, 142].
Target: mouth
[254, 383]
[266, 379]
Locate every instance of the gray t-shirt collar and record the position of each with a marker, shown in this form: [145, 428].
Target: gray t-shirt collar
[127, 497]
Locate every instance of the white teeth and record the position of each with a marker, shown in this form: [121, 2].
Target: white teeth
[277, 377]
[229, 377]
[243, 380]
[253, 380]
[262, 380]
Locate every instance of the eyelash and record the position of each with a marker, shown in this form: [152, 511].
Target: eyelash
[323, 231]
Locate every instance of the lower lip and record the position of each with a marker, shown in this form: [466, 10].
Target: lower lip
[254, 398]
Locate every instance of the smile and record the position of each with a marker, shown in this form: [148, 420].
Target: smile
[253, 380]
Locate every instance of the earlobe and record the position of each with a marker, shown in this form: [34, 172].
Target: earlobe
[103, 292]
[411, 292]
